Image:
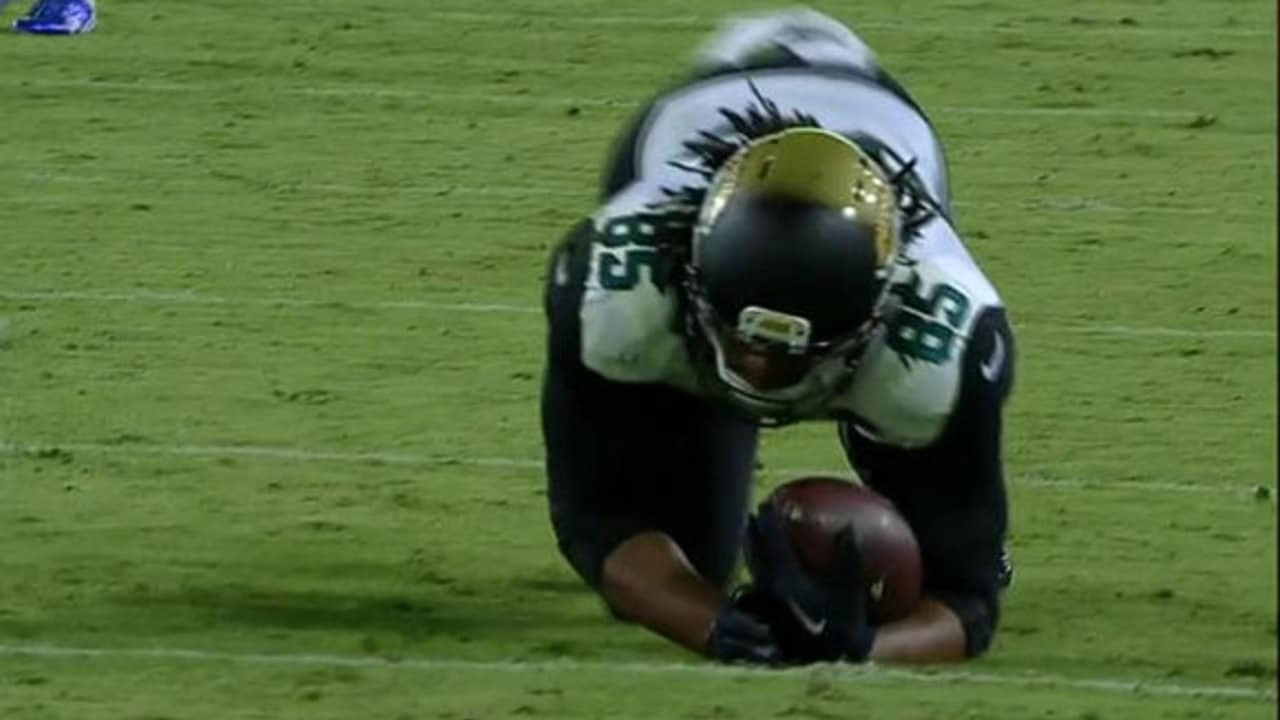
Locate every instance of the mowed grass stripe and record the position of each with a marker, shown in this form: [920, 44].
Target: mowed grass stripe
[530, 99]
[287, 454]
[864, 673]
[1082, 27]
[163, 297]
[461, 193]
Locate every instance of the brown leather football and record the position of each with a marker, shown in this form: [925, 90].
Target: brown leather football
[815, 509]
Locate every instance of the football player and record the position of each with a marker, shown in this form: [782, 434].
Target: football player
[774, 244]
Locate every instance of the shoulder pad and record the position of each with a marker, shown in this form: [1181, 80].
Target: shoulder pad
[909, 380]
[628, 315]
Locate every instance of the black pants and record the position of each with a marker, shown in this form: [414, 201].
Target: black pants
[626, 458]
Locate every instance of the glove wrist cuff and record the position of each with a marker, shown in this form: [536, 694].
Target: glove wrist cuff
[860, 644]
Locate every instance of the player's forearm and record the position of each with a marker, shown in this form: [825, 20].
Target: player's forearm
[931, 634]
[649, 580]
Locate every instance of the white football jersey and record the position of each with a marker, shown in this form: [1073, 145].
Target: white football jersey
[908, 382]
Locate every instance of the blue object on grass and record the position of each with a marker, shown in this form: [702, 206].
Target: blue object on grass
[58, 17]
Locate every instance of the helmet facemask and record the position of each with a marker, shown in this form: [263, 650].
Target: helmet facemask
[766, 366]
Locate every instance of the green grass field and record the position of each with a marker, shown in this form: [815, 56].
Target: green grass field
[269, 276]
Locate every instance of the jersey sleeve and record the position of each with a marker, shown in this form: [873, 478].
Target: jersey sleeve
[629, 309]
[952, 492]
[622, 457]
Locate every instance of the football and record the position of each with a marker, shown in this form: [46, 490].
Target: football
[815, 509]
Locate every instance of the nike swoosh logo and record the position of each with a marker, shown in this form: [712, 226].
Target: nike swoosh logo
[991, 368]
[877, 589]
[811, 626]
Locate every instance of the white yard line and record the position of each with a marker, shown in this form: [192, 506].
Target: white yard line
[289, 454]
[187, 298]
[1100, 27]
[865, 673]
[513, 98]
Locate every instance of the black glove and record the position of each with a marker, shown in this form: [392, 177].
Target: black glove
[739, 635]
[813, 621]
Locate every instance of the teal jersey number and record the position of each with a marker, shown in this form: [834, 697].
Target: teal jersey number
[925, 326]
[630, 244]
[624, 273]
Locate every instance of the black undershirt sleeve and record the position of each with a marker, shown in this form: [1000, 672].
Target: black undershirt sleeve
[952, 492]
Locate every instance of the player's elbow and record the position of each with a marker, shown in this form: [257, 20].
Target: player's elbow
[618, 587]
[979, 615]
[633, 570]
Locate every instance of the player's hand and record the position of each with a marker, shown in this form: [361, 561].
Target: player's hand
[813, 621]
[738, 635]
